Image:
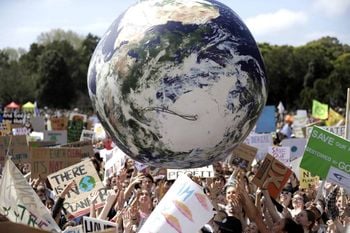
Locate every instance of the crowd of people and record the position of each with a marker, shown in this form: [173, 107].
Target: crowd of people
[239, 205]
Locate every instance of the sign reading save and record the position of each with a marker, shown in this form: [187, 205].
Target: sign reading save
[325, 150]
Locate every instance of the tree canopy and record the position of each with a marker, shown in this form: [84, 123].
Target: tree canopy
[54, 71]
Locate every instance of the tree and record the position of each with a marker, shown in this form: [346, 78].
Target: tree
[55, 87]
[60, 35]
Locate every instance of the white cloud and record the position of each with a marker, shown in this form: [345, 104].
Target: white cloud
[278, 21]
[333, 7]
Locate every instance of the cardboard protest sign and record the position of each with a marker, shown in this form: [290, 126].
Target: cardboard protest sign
[282, 153]
[85, 176]
[85, 147]
[272, 169]
[59, 123]
[18, 149]
[325, 150]
[76, 125]
[12, 227]
[19, 202]
[87, 135]
[296, 145]
[18, 118]
[5, 128]
[184, 208]
[7, 117]
[267, 120]
[260, 141]
[204, 172]
[306, 179]
[57, 136]
[115, 163]
[46, 160]
[243, 155]
[96, 225]
[334, 118]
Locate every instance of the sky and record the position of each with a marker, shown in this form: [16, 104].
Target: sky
[280, 22]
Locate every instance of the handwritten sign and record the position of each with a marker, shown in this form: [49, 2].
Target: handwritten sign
[306, 179]
[204, 172]
[76, 125]
[95, 225]
[59, 123]
[274, 170]
[260, 141]
[282, 153]
[87, 135]
[46, 160]
[85, 176]
[57, 136]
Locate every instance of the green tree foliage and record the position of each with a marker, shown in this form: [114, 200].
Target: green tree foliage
[54, 72]
[55, 86]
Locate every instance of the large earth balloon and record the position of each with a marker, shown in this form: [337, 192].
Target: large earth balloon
[177, 83]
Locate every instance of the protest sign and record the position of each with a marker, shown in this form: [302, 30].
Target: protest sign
[338, 130]
[46, 160]
[260, 141]
[325, 150]
[296, 145]
[5, 128]
[12, 227]
[319, 110]
[85, 176]
[282, 153]
[76, 125]
[85, 147]
[274, 170]
[87, 135]
[7, 117]
[19, 202]
[57, 136]
[59, 123]
[100, 133]
[18, 149]
[115, 163]
[306, 179]
[204, 172]
[76, 229]
[20, 131]
[95, 225]
[334, 118]
[300, 122]
[41, 144]
[243, 155]
[18, 118]
[184, 208]
[36, 136]
[267, 120]
[37, 123]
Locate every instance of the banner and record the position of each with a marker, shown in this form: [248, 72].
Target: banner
[306, 179]
[272, 169]
[325, 150]
[260, 141]
[184, 208]
[19, 202]
[267, 120]
[319, 110]
[95, 225]
[85, 176]
[334, 118]
[296, 145]
[204, 172]
[85, 147]
[18, 150]
[243, 155]
[46, 160]
[57, 136]
[281, 153]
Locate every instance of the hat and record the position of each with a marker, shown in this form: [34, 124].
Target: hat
[288, 188]
[230, 224]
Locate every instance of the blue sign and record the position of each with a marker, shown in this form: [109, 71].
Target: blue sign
[267, 120]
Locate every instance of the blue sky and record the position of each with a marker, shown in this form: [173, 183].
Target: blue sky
[292, 22]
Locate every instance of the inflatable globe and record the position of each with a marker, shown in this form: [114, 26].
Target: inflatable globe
[177, 83]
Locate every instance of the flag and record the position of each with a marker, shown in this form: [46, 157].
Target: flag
[319, 110]
[19, 203]
[333, 118]
[36, 109]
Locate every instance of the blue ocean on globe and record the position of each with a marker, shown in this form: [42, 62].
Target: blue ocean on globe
[87, 183]
[177, 83]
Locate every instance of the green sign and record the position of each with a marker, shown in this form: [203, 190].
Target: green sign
[325, 150]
